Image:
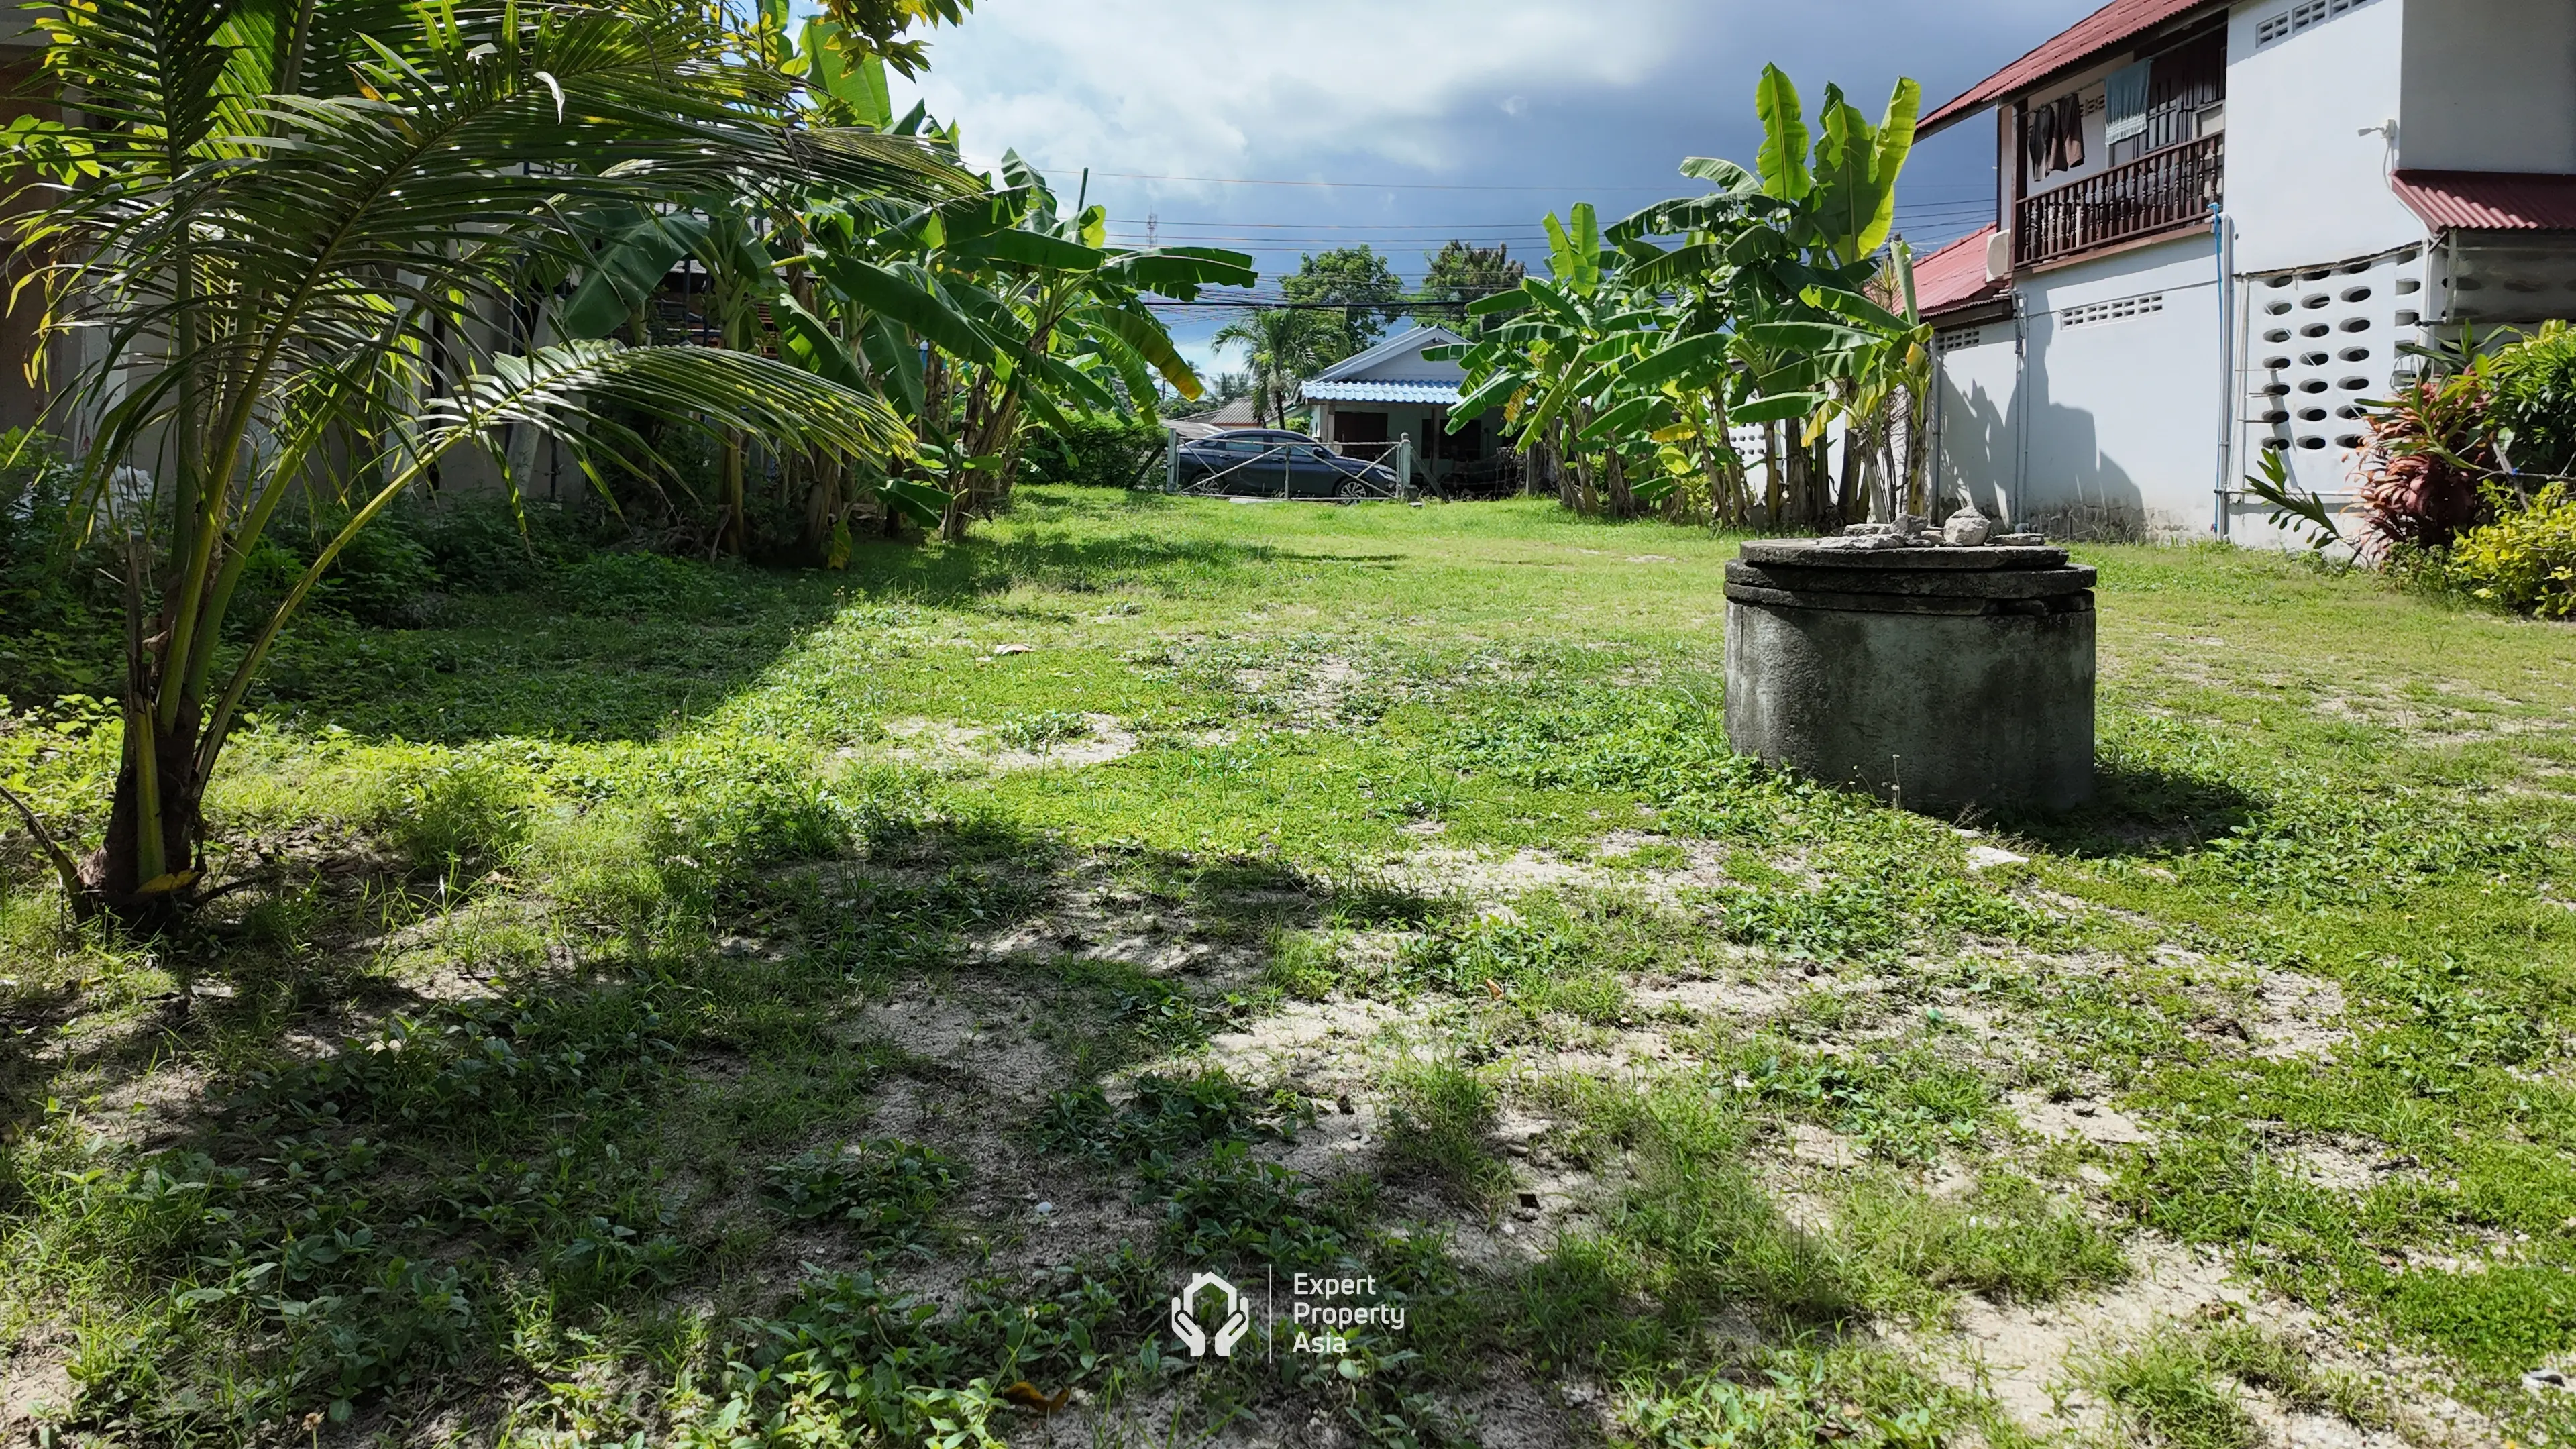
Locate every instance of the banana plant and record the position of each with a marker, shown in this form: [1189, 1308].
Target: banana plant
[981, 315]
[735, 236]
[1748, 304]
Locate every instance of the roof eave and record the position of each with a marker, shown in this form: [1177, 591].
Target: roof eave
[1989, 93]
[1363, 360]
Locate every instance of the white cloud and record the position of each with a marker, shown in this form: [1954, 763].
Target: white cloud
[1266, 89]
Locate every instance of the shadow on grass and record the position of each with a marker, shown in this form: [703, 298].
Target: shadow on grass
[632, 651]
[2144, 811]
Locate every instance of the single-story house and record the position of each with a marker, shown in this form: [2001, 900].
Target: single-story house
[1390, 392]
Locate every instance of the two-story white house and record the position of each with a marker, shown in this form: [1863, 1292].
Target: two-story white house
[2216, 222]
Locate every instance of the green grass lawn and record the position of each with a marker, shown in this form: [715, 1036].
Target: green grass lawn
[687, 1004]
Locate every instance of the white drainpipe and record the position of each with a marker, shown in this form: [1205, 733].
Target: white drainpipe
[2220, 489]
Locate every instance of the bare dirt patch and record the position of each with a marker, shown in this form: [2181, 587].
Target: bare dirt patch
[2024, 1352]
[2079, 1118]
[981, 749]
[2299, 1016]
[35, 1381]
[1324, 1049]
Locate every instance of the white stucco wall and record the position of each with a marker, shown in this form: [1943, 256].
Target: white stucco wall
[1409, 365]
[1979, 428]
[2302, 185]
[2489, 85]
[2121, 413]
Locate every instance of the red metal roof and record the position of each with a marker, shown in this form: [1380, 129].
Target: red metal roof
[1955, 276]
[2489, 200]
[2088, 39]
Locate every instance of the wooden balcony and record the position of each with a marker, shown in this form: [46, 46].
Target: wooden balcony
[2162, 191]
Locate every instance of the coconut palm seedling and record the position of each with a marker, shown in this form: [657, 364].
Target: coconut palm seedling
[312, 246]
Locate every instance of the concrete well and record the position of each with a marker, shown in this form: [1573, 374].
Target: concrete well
[1945, 680]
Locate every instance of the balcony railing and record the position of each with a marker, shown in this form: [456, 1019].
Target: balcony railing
[2169, 188]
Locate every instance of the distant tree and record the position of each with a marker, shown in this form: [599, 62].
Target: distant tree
[1462, 271]
[1369, 291]
[1283, 345]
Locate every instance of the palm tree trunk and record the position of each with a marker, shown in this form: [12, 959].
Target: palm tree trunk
[152, 844]
[1847, 494]
[737, 523]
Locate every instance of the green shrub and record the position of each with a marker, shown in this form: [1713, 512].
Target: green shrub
[2533, 410]
[1096, 453]
[478, 544]
[57, 607]
[615, 584]
[2526, 559]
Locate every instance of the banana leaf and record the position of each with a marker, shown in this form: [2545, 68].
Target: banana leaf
[909, 300]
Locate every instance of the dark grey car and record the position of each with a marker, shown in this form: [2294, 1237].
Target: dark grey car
[1274, 463]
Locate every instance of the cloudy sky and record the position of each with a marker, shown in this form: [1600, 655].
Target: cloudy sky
[1286, 126]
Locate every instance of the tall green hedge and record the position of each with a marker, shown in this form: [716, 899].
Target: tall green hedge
[1096, 452]
[2534, 407]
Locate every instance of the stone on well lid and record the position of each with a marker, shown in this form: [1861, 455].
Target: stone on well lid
[1967, 528]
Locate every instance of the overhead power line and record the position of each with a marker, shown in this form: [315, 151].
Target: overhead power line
[1674, 187]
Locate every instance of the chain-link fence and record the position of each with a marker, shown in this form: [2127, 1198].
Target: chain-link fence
[1288, 467]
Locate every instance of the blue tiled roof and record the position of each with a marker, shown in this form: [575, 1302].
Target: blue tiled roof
[1366, 390]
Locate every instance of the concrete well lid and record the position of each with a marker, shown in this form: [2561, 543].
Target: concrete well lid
[1814, 553]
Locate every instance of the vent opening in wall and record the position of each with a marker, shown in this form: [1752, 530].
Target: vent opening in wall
[1965, 337]
[2314, 415]
[2093, 313]
[2306, 15]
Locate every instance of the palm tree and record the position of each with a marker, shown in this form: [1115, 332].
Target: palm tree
[299, 241]
[1281, 344]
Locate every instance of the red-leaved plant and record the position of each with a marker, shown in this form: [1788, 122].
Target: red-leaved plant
[2429, 454]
